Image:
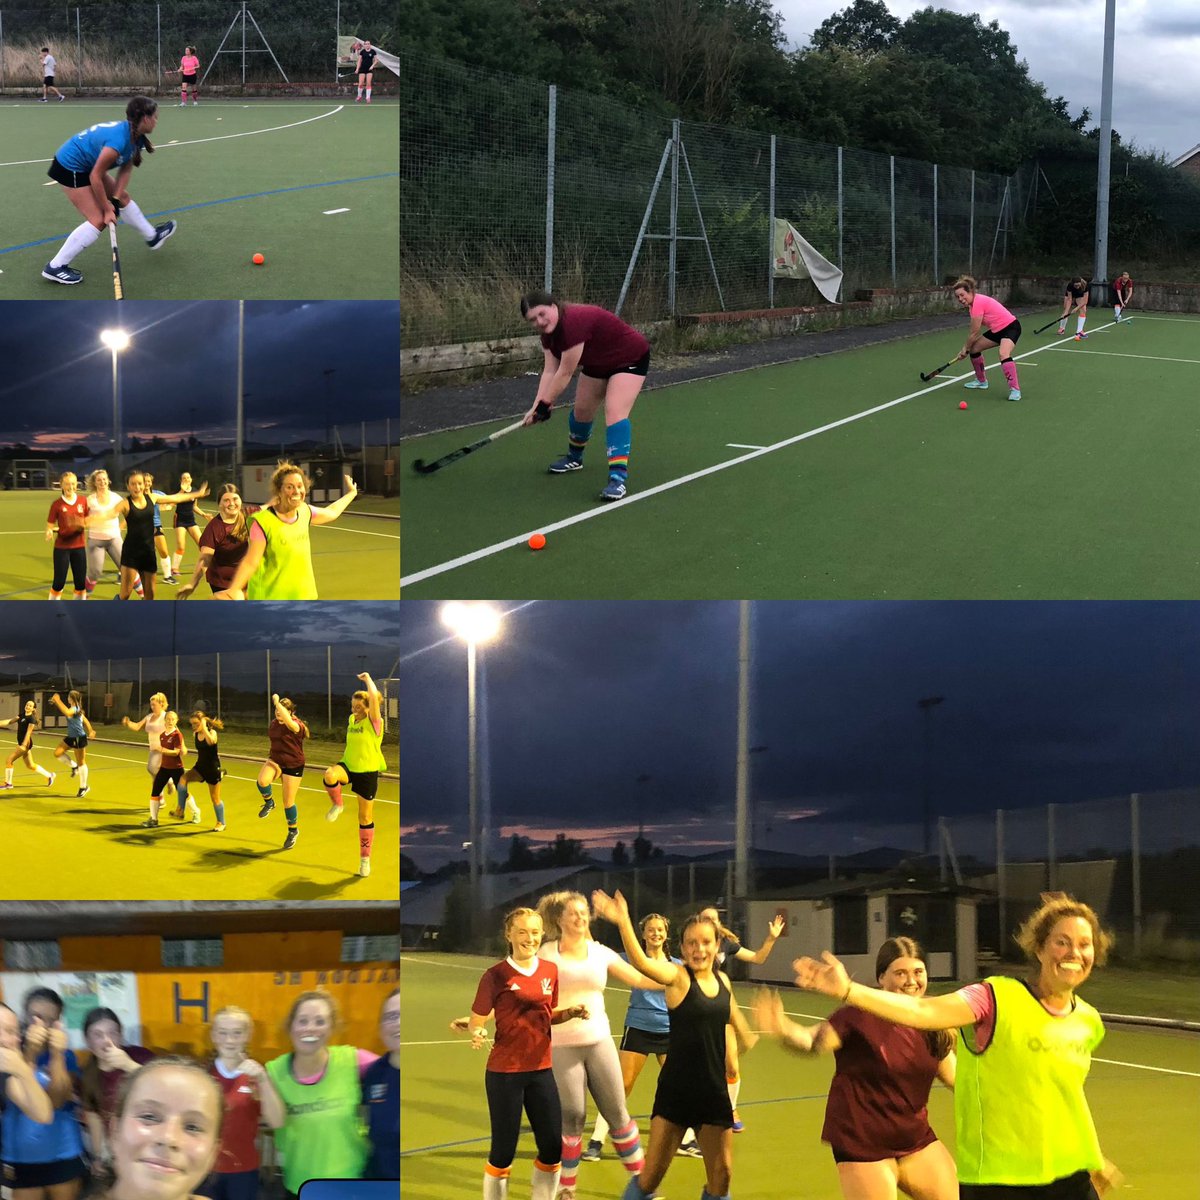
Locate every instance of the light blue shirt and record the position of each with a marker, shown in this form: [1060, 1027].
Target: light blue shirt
[79, 153]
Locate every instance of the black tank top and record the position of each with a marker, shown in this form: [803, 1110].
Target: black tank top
[208, 761]
[695, 1063]
[139, 526]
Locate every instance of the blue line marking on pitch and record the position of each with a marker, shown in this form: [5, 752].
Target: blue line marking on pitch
[303, 187]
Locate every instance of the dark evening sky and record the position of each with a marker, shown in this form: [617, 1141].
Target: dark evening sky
[599, 715]
[180, 373]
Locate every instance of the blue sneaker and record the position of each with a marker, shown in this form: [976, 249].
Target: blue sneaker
[614, 491]
[560, 466]
[974, 383]
[161, 233]
[1014, 393]
[61, 274]
[1081, 337]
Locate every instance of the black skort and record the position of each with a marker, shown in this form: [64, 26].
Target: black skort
[1009, 331]
[640, 1041]
[67, 177]
[362, 783]
[638, 368]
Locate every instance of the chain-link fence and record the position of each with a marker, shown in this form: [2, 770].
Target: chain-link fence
[132, 46]
[1134, 858]
[509, 184]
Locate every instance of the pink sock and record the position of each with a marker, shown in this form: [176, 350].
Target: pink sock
[977, 363]
[1010, 373]
[182, 96]
[366, 836]
[335, 793]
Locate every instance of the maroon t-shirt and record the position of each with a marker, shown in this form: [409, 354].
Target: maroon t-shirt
[69, 519]
[227, 551]
[878, 1098]
[523, 1005]
[287, 748]
[608, 343]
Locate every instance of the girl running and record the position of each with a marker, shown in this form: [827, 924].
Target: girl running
[250, 1099]
[171, 751]
[207, 766]
[585, 1059]
[103, 529]
[615, 359]
[1003, 330]
[360, 766]
[366, 70]
[27, 722]
[101, 1078]
[286, 763]
[1122, 293]
[521, 993]
[82, 166]
[64, 527]
[166, 1131]
[278, 563]
[876, 1119]
[186, 513]
[320, 1086]
[137, 553]
[188, 69]
[381, 1096]
[45, 1162]
[154, 723]
[20, 1084]
[1022, 1123]
[646, 1026]
[223, 544]
[79, 729]
[691, 1090]
[1075, 297]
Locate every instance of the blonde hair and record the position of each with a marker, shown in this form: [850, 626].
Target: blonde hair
[281, 472]
[510, 919]
[550, 909]
[965, 281]
[159, 696]
[92, 477]
[1056, 906]
[232, 1010]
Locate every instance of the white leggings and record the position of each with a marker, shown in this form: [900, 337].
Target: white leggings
[96, 550]
[596, 1069]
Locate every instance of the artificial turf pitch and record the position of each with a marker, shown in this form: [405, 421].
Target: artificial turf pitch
[355, 558]
[1142, 1090]
[59, 846]
[844, 476]
[312, 185]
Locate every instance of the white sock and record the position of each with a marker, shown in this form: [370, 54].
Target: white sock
[360, 93]
[176, 563]
[165, 563]
[545, 1181]
[368, 93]
[8, 774]
[80, 238]
[1079, 326]
[495, 1187]
[82, 775]
[1118, 308]
[734, 1088]
[40, 770]
[601, 1131]
[131, 213]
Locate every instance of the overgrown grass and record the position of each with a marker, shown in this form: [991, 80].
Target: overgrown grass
[101, 63]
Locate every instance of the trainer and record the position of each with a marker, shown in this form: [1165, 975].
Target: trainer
[614, 358]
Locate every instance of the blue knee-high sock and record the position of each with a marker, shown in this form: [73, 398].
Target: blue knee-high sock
[181, 788]
[578, 433]
[705, 1194]
[265, 791]
[220, 808]
[290, 813]
[620, 438]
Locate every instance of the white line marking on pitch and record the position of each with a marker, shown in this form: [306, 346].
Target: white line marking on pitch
[223, 137]
[1119, 354]
[1115, 1062]
[742, 446]
[1176, 320]
[330, 211]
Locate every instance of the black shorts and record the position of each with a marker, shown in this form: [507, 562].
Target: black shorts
[48, 80]
[139, 558]
[174, 774]
[362, 783]
[212, 778]
[187, 79]
[75, 743]
[39, 1175]
[639, 1041]
[294, 772]
[67, 177]
[1009, 331]
[1070, 1187]
[638, 368]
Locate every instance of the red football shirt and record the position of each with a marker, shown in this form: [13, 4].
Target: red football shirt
[170, 742]
[67, 517]
[287, 748]
[608, 343]
[239, 1133]
[523, 1005]
[878, 1098]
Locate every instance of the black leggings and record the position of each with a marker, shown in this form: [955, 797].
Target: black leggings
[535, 1091]
[77, 561]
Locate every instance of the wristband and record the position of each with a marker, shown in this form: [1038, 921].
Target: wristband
[543, 411]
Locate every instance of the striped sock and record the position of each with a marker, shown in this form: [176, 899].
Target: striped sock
[628, 1145]
[578, 433]
[572, 1151]
[620, 438]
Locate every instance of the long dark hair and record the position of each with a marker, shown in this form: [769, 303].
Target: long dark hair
[536, 299]
[135, 111]
[939, 1041]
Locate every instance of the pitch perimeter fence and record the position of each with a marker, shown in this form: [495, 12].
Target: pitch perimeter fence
[508, 184]
[1135, 859]
[131, 45]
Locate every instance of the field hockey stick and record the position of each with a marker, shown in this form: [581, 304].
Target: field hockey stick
[1057, 319]
[118, 287]
[427, 468]
[938, 370]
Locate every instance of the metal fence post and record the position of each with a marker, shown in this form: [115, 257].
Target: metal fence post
[218, 685]
[771, 231]
[971, 243]
[551, 137]
[329, 682]
[1001, 883]
[270, 707]
[78, 53]
[892, 188]
[1051, 851]
[674, 215]
[1, 49]
[1135, 858]
[158, 38]
[936, 277]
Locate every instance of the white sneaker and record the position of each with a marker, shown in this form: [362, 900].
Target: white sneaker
[364, 869]
[335, 811]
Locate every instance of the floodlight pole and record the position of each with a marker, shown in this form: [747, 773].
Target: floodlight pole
[1100, 272]
[927, 704]
[240, 435]
[741, 879]
[116, 393]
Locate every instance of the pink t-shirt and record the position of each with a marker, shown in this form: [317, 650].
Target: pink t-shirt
[982, 1001]
[995, 315]
[189, 64]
